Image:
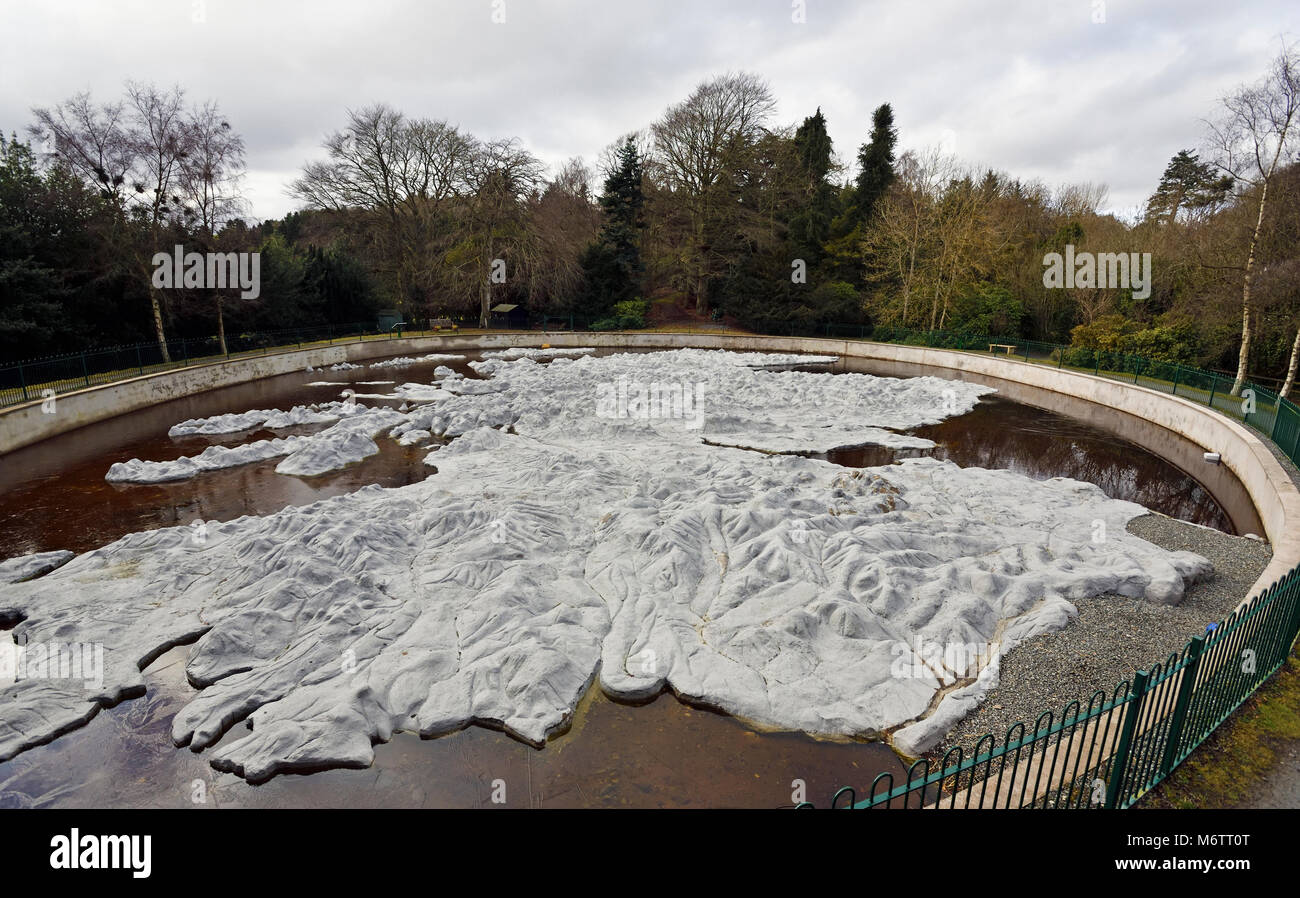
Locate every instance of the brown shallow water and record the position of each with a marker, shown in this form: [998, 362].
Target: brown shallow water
[660, 754]
[54, 496]
[1037, 443]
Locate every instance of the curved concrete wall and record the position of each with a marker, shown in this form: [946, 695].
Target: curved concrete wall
[1275, 496]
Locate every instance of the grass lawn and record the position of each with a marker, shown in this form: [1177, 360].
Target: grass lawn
[1233, 765]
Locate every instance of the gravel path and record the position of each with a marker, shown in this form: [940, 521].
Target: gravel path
[1115, 635]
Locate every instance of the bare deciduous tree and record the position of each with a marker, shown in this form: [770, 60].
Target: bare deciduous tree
[563, 220]
[695, 144]
[208, 182]
[1257, 125]
[404, 176]
[501, 176]
[92, 139]
[133, 152]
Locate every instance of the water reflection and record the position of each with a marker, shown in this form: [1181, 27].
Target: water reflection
[54, 496]
[1001, 434]
[659, 755]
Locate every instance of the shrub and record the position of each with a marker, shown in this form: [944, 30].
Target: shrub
[986, 309]
[835, 301]
[1116, 343]
[627, 315]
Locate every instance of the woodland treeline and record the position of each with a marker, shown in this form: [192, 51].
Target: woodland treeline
[715, 211]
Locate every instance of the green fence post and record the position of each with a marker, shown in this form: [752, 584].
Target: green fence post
[139, 360]
[1185, 690]
[84, 370]
[185, 349]
[22, 379]
[1178, 372]
[1214, 385]
[1294, 629]
[1119, 762]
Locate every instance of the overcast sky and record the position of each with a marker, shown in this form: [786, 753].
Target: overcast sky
[1035, 88]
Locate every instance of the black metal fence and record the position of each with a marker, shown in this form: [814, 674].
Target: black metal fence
[39, 378]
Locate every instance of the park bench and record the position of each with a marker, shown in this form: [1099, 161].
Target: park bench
[1009, 347]
[439, 323]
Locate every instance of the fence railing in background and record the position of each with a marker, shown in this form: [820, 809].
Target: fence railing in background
[1257, 406]
[33, 379]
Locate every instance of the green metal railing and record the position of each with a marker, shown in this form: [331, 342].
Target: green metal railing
[36, 379]
[1126, 741]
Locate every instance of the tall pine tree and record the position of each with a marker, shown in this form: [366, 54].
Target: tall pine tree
[842, 254]
[612, 264]
[1187, 184]
[876, 162]
[810, 223]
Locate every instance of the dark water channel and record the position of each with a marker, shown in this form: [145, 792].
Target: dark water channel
[1001, 434]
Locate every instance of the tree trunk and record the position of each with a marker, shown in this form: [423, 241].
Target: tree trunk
[934, 303]
[911, 272]
[221, 327]
[154, 300]
[1243, 356]
[1291, 367]
[701, 270]
[485, 289]
[947, 294]
[158, 324]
